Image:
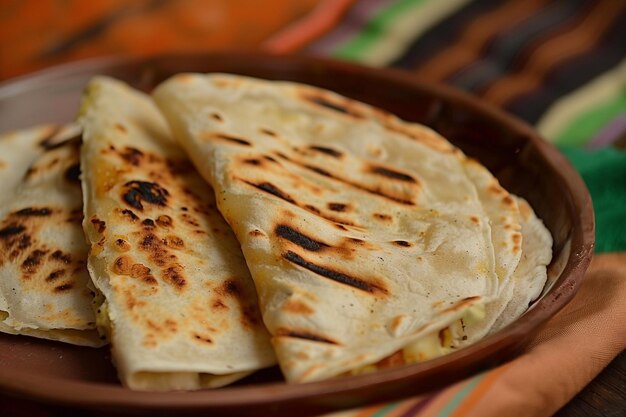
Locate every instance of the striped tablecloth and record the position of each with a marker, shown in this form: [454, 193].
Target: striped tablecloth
[560, 65]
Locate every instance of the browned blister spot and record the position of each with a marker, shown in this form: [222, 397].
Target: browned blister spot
[382, 217]
[297, 307]
[256, 233]
[475, 219]
[174, 242]
[517, 238]
[130, 215]
[175, 276]
[121, 127]
[403, 243]
[496, 189]
[218, 304]
[143, 273]
[98, 225]
[267, 132]
[508, 201]
[122, 245]
[216, 116]
[122, 265]
[341, 207]
[137, 192]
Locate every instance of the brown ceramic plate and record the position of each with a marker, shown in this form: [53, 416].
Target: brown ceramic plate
[65, 375]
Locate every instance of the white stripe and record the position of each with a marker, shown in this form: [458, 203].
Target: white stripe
[565, 110]
[406, 28]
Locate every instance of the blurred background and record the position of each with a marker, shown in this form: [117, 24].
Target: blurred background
[558, 64]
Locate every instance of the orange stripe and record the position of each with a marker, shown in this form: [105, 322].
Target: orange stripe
[581, 38]
[323, 18]
[480, 390]
[471, 41]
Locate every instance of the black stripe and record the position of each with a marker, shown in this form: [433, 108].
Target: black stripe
[511, 48]
[444, 34]
[571, 74]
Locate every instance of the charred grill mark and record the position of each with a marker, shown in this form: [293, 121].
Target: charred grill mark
[32, 262]
[306, 335]
[328, 151]
[402, 243]
[270, 158]
[337, 206]
[321, 101]
[31, 211]
[55, 275]
[336, 276]
[63, 287]
[48, 141]
[374, 191]
[272, 189]
[59, 256]
[319, 170]
[130, 214]
[312, 208]
[72, 174]
[268, 132]
[389, 173]
[252, 161]
[131, 155]
[148, 223]
[299, 239]
[11, 230]
[231, 139]
[150, 192]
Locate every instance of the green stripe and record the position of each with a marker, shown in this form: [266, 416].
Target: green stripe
[386, 409]
[585, 126]
[460, 396]
[355, 48]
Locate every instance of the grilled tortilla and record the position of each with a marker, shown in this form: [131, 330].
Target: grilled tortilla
[363, 233]
[178, 303]
[43, 253]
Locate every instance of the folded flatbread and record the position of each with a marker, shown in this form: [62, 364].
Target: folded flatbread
[178, 303]
[363, 233]
[43, 275]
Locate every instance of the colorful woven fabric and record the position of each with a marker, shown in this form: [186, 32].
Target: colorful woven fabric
[560, 65]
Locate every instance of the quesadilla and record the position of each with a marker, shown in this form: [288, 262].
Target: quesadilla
[43, 275]
[177, 301]
[364, 234]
